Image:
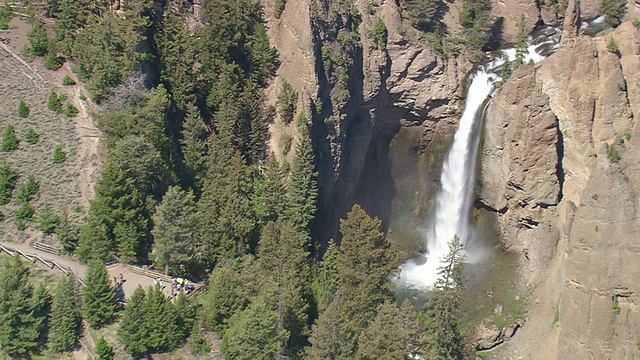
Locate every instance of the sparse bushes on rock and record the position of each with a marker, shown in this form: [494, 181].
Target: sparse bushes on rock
[59, 155]
[23, 110]
[9, 140]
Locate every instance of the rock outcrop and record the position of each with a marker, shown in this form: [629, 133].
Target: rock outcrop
[561, 167]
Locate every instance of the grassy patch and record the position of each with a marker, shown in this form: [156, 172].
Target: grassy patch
[499, 288]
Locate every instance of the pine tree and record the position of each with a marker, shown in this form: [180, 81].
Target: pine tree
[19, 327]
[41, 310]
[283, 259]
[9, 140]
[65, 319]
[93, 242]
[99, 296]
[365, 264]
[31, 136]
[161, 322]
[186, 310]
[328, 278]
[48, 220]
[8, 177]
[28, 189]
[303, 187]
[59, 155]
[194, 134]
[286, 102]
[225, 210]
[443, 340]
[174, 226]
[271, 202]
[252, 334]
[329, 339]
[38, 39]
[132, 331]
[54, 103]
[67, 233]
[226, 296]
[104, 350]
[385, 337]
[23, 110]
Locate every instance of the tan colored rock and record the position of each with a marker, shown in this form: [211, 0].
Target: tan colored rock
[589, 9]
[549, 15]
[582, 252]
[512, 11]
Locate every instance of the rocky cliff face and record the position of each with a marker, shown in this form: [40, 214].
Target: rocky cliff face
[402, 90]
[561, 170]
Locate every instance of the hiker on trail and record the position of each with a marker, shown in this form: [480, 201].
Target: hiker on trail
[122, 280]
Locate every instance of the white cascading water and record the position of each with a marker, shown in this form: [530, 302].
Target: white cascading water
[453, 202]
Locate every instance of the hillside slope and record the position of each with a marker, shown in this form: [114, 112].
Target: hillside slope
[65, 186]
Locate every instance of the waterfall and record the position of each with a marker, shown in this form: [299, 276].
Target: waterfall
[453, 202]
[457, 178]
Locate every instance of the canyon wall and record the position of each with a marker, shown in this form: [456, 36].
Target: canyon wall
[561, 170]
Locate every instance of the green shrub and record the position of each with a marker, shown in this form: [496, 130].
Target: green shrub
[6, 14]
[285, 142]
[301, 120]
[613, 154]
[23, 110]
[71, 111]
[52, 61]
[286, 102]
[279, 8]
[9, 139]
[104, 350]
[20, 225]
[54, 103]
[613, 10]
[8, 178]
[31, 136]
[67, 80]
[612, 46]
[38, 39]
[636, 23]
[47, 220]
[28, 189]
[627, 136]
[616, 305]
[25, 212]
[59, 155]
